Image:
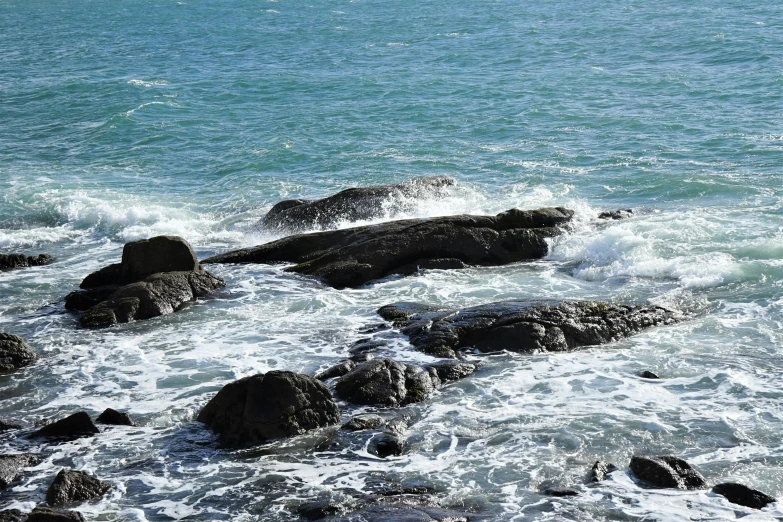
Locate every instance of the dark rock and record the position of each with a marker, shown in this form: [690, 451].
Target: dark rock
[363, 422]
[667, 472]
[11, 515]
[561, 492]
[646, 374]
[256, 409]
[387, 444]
[14, 353]
[388, 383]
[320, 509]
[338, 370]
[47, 514]
[71, 486]
[351, 205]
[72, 427]
[355, 256]
[523, 325]
[743, 495]
[600, 471]
[156, 277]
[381, 512]
[362, 349]
[11, 467]
[12, 261]
[8, 426]
[114, 417]
[616, 214]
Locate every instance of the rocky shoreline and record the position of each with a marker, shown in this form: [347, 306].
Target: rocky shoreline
[363, 396]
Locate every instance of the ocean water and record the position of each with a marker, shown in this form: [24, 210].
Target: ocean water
[125, 120]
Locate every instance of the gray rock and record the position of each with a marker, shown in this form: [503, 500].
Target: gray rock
[384, 382]
[355, 256]
[11, 467]
[71, 486]
[616, 214]
[338, 370]
[600, 471]
[256, 409]
[114, 417]
[12, 261]
[351, 205]
[72, 427]
[155, 277]
[14, 353]
[11, 515]
[407, 513]
[667, 472]
[743, 495]
[47, 514]
[363, 422]
[522, 325]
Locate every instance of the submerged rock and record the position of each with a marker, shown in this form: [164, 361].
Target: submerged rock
[646, 374]
[114, 417]
[72, 427]
[14, 353]
[156, 277]
[560, 492]
[385, 382]
[407, 513]
[522, 325]
[667, 472]
[71, 486]
[355, 256]
[353, 204]
[624, 213]
[47, 514]
[387, 444]
[743, 495]
[8, 426]
[256, 409]
[600, 471]
[12, 261]
[11, 467]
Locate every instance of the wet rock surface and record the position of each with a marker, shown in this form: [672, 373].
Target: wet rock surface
[11, 467]
[71, 486]
[13, 261]
[262, 407]
[15, 353]
[338, 370]
[743, 495]
[364, 422]
[522, 325]
[47, 514]
[156, 277]
[600, 471]
[8, 426]
[355, 256]
[11, 515]
[353, 204]
[384, 382]
[624, 213]
[666, 472]
[72, 427]
[648, 375]
[407, 513]
[114, 417]
[558, 491]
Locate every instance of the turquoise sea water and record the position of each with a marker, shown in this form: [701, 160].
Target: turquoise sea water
[124, 120]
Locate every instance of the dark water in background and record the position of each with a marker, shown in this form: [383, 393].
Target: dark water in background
[120, 121]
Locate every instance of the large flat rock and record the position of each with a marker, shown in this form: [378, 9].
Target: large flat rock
[522, 325]
[355, 256]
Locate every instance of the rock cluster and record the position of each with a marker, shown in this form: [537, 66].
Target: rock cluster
[12, 261]
[351, 205]
[156, 277]
[355, 256]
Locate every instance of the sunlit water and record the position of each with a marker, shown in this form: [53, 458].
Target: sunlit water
[120, 121]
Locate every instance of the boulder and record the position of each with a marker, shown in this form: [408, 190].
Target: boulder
[320, 509]
[384, 382]
[600, 471]
[156, 277]
[14, 353]
[520, 325]
[363, 422]
[624, 213]
[71, 486]
[743, 495]
[114, 417]
[355, 256]
[72, 427]
[11, 467]
[47, 514]
[256, 409]
[11, 515]
[647, 374]
[12, 261]
[338, 370]
[353, 204]
[387, 444]
[666, 472]
[558, 491]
